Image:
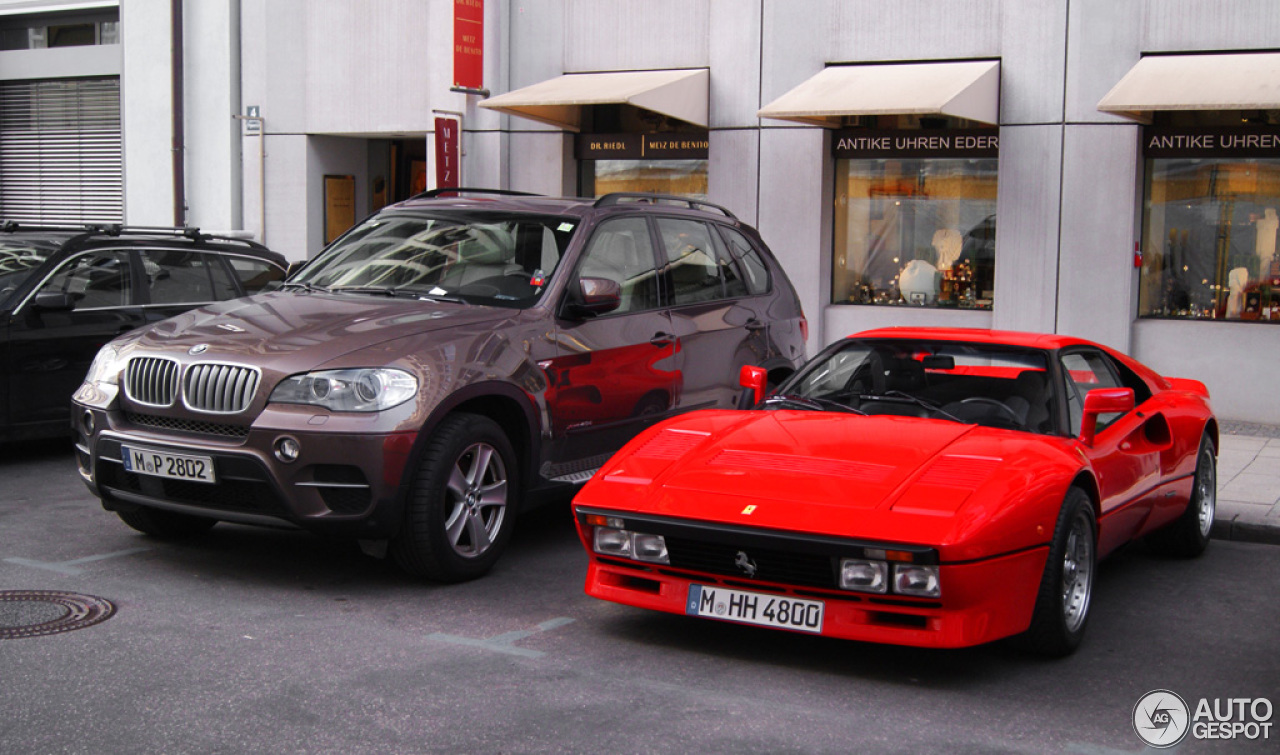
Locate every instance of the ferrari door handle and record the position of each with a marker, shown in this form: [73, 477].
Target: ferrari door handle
[662, 339]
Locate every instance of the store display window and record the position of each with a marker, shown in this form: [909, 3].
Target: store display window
[1211, 213]
[632, 150]
[915, 217]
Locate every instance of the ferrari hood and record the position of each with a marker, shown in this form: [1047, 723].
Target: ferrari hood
[897, 478]
[811, 456]
[287, 325]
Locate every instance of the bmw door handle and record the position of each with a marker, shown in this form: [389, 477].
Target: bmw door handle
[662, 339]
[755, 325]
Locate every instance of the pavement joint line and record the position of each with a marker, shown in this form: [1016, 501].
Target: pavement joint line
[69, 567]
[505, 642]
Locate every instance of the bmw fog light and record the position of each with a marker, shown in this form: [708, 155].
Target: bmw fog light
[612, 542]
[287, 449]
[649, 548]
[912, 579]
[860, 574]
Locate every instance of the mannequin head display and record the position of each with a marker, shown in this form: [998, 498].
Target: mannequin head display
[948, 243]
[919, 282]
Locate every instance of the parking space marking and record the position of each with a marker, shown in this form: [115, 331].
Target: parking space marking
[505, 642]
[69, 567]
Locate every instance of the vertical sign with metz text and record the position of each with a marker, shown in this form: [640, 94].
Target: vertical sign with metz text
[447, 137]
[468, 44]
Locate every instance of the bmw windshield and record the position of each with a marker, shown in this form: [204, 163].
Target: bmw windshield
[502, 259]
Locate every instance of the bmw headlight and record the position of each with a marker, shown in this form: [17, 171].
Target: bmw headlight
[366, 389]
[106, 367]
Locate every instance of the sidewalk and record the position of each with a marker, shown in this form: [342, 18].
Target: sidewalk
[1248, 483]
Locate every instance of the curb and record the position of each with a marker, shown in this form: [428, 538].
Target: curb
[1246, 532]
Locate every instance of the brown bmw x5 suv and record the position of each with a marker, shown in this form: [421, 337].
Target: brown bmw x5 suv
[448, 361]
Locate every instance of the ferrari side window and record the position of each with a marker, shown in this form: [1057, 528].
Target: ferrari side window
[1085, 371]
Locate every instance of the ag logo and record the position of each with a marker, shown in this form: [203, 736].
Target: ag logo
[1161, 718]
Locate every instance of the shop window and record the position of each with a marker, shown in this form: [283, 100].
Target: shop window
[1210, 218]
[628, 149]
[915, 218]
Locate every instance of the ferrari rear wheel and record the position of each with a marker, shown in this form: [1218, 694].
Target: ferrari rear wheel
[1062, 604]
[1188, 535]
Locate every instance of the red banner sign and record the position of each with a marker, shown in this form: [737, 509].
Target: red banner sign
[468, 44]
[447, 137]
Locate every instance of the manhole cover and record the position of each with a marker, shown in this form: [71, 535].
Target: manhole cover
[32, 613]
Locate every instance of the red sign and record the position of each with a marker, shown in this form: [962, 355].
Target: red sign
[446, 152]
[468, 44]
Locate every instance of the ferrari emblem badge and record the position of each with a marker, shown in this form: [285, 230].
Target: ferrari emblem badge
[749, 510]
[745, 564]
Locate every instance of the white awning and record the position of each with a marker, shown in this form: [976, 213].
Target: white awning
[1236, 81]
[680, 94]
[963, 89]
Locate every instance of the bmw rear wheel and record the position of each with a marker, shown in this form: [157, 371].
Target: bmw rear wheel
[1062, 604]
[461, 508]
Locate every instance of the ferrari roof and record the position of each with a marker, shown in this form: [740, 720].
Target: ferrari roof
[977, 335]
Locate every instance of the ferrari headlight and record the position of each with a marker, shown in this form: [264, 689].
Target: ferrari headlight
[369, 389]
[639, 546]
[913, 579]
[864, 575]
[106, 367]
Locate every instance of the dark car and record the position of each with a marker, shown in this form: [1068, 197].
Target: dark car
[444, 363]
[64, 292]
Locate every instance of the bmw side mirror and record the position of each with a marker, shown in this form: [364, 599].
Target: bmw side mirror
[753, 381]
[1103, 401]
[595, 296]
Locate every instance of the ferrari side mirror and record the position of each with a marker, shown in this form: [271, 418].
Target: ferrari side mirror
[1103, 401]
[753, 381]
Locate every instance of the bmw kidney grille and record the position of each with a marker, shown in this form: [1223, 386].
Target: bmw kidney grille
[151, 381]
[208, 387]
[219, 388]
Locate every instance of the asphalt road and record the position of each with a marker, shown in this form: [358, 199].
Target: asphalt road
[253, 640]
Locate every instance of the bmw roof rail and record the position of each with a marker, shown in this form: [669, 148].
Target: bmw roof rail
[443, 190]
[639, 197]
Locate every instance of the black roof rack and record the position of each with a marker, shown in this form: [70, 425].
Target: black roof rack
[116, 229]
[624, 197]
[443, 190]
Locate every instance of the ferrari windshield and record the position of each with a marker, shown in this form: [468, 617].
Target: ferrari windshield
[484, 258]
[980, 383]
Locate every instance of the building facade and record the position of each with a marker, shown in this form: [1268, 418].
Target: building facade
[1128, 151]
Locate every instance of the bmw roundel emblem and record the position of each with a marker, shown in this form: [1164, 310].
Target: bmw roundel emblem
[199, 348]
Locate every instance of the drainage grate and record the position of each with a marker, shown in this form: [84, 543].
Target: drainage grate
[34, 613]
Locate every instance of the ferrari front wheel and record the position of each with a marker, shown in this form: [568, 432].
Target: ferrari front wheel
[1062, 603]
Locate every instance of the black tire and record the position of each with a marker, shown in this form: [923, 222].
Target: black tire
[462, 506]
[166, 524]
[1061, 612]
[1188, 535]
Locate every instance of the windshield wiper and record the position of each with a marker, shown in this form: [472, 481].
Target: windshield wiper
[814, 404]
[921, 402]
[308, 287]
[397, 293]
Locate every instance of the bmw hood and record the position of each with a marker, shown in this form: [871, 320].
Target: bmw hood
[307, 329]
